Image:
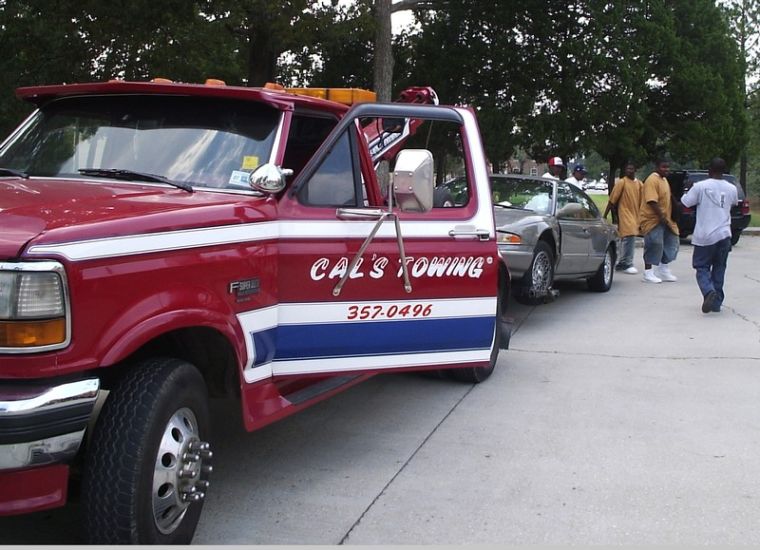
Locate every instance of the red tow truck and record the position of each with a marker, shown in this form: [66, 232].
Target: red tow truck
[163, 243]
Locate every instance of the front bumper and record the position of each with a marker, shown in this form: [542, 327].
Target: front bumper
[518, 258]
[41, 427]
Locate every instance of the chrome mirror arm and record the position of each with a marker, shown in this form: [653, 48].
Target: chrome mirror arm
[354, 214]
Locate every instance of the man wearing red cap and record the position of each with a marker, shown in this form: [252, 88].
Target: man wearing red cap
[555, 168]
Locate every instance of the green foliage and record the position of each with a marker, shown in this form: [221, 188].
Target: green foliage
[753, 149]
[701, 102]
[548, 77]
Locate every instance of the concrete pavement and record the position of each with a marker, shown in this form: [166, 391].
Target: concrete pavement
[625, 417]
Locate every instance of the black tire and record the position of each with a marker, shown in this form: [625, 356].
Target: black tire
[601, 281]
[735, 237]
[476, 375]
[536, 285]
[149, 430]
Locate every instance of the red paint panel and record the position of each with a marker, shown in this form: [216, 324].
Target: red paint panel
[33, 490]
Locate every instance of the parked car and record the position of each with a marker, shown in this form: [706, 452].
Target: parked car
[681, 181]
[549, 230]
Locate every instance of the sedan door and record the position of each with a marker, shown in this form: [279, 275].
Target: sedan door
[575, 232]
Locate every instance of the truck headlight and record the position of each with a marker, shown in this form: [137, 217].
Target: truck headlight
[33, 306]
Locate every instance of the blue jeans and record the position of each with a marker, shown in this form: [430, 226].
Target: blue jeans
[660, 245]
[627, 245]
[710, 263]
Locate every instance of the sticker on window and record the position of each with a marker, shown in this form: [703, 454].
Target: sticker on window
[250, 162]
[239, 177]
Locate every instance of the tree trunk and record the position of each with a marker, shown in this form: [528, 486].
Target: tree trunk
[262, 56]
[383, 51]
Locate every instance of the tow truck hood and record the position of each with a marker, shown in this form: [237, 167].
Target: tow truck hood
[44, 211]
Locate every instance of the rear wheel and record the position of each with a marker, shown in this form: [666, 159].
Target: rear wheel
[146, 473]
[735, 237]
[601, 281]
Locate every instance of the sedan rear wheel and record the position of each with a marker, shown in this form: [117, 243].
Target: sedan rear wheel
[601, 281]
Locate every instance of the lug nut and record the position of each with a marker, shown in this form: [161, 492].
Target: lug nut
[191, 457]
[202, 485]
[206, 454]
[185, 474]
[207, 468]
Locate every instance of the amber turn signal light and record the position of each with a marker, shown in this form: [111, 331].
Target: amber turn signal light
[27, 334]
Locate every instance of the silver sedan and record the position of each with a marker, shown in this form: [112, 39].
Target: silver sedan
[550, 230]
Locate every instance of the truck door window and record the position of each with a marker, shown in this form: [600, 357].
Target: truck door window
[305, 136]
[336, 180]
[444, 140]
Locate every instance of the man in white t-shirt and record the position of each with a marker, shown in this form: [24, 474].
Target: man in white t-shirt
[579, 172]
[555, 168]
[711, 240]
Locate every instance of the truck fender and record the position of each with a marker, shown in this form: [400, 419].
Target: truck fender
[124, 338]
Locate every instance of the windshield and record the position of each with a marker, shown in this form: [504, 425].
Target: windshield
[535, 195]
[204, 142]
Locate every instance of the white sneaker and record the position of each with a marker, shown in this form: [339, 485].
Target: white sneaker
[663, 272]
[631, 270]
[650, 277]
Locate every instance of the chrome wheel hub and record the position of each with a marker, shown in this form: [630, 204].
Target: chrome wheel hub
[181, 461]
[541, 273]
[607, 268]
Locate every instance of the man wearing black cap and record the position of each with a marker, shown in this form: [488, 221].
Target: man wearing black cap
[579, 172]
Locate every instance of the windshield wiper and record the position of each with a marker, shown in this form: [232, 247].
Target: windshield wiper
[13, 173]
[510, 207]
[122, 174]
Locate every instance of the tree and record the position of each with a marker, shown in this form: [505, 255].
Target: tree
[744, 18]
[700, 103]
[35, 51]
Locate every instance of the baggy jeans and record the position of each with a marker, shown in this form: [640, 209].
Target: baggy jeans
[627, 245]
[710, 262]
[660, 245]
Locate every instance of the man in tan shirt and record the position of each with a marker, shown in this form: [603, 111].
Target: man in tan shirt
[659, 230]
[625, 200]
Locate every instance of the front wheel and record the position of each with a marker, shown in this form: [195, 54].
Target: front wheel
[146, 472]
[601, 281]
[536, 285]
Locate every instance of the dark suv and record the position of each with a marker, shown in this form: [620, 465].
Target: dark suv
[685, 217]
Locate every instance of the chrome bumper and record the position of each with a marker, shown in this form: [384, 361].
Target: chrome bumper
[43, 424]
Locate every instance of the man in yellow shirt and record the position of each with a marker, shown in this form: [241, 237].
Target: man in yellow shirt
[625, 200]
[659, 230]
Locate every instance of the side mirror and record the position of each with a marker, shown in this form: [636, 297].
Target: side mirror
[570, 210]
[269, 179]
[413, 180]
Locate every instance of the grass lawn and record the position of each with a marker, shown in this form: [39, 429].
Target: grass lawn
[601, 201]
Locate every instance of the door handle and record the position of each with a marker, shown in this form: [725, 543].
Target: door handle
[482, 234]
